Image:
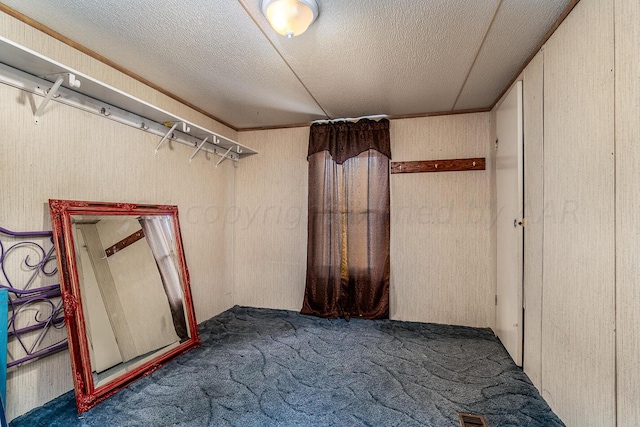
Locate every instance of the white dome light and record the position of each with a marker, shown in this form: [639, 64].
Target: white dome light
[290, 17]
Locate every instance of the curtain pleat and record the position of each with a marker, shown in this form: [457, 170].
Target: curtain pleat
[348, 229]
[158, 232]
[368, 223]
[324, 247]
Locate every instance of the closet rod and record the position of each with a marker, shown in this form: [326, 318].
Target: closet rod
[32, 72]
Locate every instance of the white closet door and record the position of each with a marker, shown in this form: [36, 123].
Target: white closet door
[509, 181]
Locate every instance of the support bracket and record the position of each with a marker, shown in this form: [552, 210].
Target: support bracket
[224, 156]
[51, 93]
[185, 129]
[200, 147]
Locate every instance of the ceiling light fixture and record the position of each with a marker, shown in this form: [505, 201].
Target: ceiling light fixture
[290, 17]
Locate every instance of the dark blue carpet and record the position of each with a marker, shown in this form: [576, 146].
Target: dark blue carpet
[261, 367]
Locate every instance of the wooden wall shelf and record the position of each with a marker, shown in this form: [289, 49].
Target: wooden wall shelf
[127, 241]
[450, 165]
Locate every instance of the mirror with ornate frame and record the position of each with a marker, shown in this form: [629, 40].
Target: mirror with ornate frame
[125, 289]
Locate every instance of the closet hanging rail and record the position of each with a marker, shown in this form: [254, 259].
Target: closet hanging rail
[29, 71]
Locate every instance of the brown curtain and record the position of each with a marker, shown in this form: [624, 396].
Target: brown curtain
[348, 230]
[158, 231]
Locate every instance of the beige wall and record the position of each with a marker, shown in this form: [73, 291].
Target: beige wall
[534, 213]
[627, 132]
[582, 343]
[441, 261]
[578, 256]
[76, 155]
[441, 241]
[271, 220]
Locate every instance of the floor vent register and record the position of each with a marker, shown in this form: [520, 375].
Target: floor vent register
[471, 420]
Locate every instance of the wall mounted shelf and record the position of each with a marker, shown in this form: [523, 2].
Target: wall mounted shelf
[449, 165]
[29, 71]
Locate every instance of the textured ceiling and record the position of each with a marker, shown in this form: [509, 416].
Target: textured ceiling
[361, 57]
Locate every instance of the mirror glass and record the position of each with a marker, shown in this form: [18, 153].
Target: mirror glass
[125, 290]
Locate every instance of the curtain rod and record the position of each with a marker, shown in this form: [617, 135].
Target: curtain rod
[354, 119]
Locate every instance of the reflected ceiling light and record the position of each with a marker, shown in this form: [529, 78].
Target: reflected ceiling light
[290, 17]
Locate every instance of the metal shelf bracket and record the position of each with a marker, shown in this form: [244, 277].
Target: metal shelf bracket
[51, 93]
[200, 147]
[224, 156]
[185, 129]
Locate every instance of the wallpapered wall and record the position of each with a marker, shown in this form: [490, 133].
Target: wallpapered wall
[442, 249]
[582, 121]
[627, 149]
[271, 220]
[245, 229]
[75, 155]
[441, 239]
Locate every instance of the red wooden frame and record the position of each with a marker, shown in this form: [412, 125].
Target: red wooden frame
[87, 395]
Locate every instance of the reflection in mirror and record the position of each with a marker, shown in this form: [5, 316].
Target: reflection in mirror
[112, 254]
[127, 286]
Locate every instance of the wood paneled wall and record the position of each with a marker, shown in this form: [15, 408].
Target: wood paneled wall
[627, 148]
[441, 242]
[76, 155]
[441, 257]
[271, 222]
[248, 225]
[578, 341]
[589, 351]
[534, 214]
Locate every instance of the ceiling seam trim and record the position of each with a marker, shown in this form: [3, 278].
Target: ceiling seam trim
[283, 58]
[475, 58]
